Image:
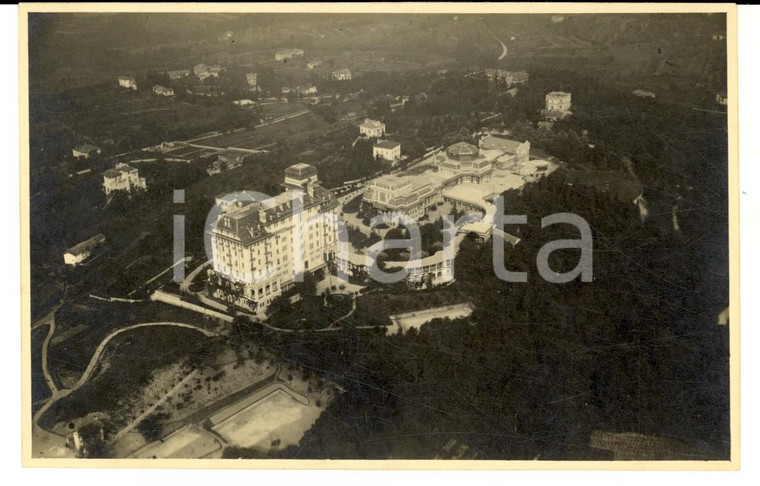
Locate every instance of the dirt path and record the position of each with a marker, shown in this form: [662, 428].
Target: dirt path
[134, 423]
[45, 345]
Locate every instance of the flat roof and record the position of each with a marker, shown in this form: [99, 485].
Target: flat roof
[87, 244]
[372, 124]
[481, 227]
[391, 180]
[490, 142]
[300, 170]
[470, 193]
[87, 147]
[387, 144]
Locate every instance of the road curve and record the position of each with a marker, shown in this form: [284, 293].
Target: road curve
[58, 394]
[503, 45]
[101, 347]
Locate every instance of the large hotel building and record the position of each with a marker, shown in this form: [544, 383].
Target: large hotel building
[461, 169]
[259, 247]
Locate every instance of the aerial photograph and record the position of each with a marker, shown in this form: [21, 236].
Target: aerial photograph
[378, 236]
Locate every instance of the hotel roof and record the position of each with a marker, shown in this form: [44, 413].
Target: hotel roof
[391, 181]
[300, 171]
[248, 222]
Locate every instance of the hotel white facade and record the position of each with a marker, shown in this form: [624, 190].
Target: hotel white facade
[80, 252]
[258, 247]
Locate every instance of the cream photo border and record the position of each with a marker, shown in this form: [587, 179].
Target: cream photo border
[408, 8]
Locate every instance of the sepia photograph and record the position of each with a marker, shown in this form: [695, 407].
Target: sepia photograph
[437, 236]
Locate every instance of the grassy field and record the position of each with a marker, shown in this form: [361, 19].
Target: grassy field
[277, 416]
[282, 109]
[294, 129]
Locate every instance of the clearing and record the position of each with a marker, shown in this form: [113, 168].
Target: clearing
[280, 415]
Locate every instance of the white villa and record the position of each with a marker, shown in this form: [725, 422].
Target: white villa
[163, 91]
[123, 177]
[252, 79]
[558, 104]
[372, 128]
[85, 150]
[127, 82]
[385, 149]
[82, 251]
[178, 74]
[341, 74]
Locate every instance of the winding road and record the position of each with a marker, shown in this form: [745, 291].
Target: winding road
[47, 440]
[101, 347]
[503, 45]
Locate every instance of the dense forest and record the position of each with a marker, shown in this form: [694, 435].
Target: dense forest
[539, 366]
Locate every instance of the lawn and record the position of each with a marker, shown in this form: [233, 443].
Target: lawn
[292, 129]
[275, 420]
[281, 109]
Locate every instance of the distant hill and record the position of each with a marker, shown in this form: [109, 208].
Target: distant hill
[98, 46]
